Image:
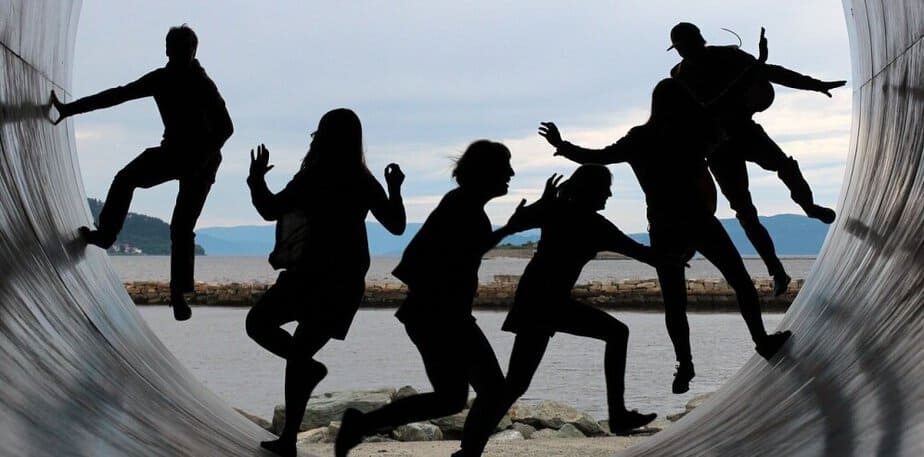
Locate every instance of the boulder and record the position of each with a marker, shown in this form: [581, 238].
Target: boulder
[318, 435]
[507, 435]
[452, 426]
[525, 430]
[378, 439]
[418, 431]
[545, 434]
[523, 413]
[261, 422]
[328, 407]
[404, 392]
[697, 401]
[553, 414]
[566, 431]
[569, 431]
[504, 423]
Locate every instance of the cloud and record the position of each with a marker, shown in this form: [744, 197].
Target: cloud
[427, 78]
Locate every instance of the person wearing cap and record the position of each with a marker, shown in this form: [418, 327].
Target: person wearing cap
[734, 85]
[667, 154]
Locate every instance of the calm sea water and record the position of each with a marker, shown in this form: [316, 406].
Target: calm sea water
[378, 353]
[214, 269]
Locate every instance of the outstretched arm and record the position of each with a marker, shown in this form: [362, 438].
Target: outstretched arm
[389, 210]
[617, 241]
[786, 77]
[143, 87]
[614, 153]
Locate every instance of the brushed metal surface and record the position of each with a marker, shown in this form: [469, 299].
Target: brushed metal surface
[850, 382]
[80, 372]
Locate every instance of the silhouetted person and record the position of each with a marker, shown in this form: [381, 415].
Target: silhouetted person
[324, 253]
[667, 155]
[573, 232]
[440, 268]
[196, 125]
[733, 86]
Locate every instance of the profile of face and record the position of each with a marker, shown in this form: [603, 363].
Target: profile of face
[589, 187]
[497, 178]
[485, 168]
[598, 194]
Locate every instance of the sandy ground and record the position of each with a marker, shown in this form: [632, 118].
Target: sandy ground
[562, 447]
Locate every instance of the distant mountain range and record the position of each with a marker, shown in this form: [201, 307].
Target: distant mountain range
[792, 234]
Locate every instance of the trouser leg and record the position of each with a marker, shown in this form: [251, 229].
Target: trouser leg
[759, 148]
[487, 380]
[189, 202]
[584, 320]
[674, 292]
[442, 351]
[528, 350]
[732, 176]
[149, 169]
[713, 242]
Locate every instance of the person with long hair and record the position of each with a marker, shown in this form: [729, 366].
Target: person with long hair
[324, 254]
[572, 233]
[668, 156]
[440, 268]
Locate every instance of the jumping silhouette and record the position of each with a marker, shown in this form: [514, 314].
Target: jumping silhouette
[733, 86]
[196, 126]
[573, 232]
[440, 268]
[324, 253]
[667, 155]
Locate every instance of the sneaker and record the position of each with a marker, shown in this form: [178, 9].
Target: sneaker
[781, 284]
[682, 378]
[350, 433]
[181, 309]
[629, 421]
[770, 344]
[95, 238]
[278, 447]
[821, 213]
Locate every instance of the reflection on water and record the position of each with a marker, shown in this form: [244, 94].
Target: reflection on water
[377, 353]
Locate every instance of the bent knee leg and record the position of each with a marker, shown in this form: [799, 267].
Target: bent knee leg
[254, 324]
[619, 333]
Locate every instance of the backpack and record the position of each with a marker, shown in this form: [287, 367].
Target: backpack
[291, 235]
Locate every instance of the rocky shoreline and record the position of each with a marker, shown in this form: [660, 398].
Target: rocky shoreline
[534, 421]
[629, 294]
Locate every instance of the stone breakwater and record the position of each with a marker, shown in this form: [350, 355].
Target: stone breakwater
[703, 294]
[542, 420]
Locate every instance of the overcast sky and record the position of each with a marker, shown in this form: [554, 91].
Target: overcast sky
[428, 77]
